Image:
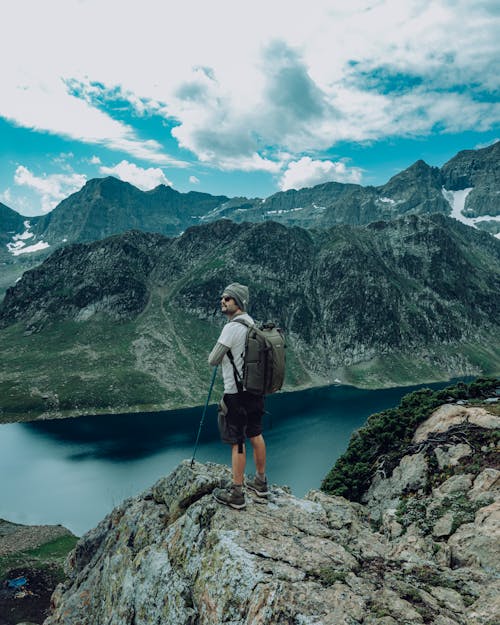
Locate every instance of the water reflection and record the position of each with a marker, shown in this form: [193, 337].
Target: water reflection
[125, 437]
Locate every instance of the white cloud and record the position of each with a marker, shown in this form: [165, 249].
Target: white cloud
[95, 160]
[194, 180]
[6, 197]
[300, 80]
[486, 145]
[145, 179]
[46, 105]
[51, 188]
[307, 172]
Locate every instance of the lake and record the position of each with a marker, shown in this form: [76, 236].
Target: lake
[74, 471]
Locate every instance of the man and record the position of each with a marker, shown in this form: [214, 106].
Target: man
[240, 413]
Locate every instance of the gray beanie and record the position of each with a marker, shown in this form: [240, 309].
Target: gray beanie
[240, 294]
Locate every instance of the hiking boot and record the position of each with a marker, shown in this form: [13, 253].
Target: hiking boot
[258, 486]
[232, 497]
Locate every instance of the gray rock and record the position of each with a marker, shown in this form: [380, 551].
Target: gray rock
[390, 523]
[478, 543]
[450, 456]
[454, 484]
[486, 484]
[449, 415]
[173, 555]
[445, 620]
[443, 526]
[486, 609]
[384, 494]
[448, 598]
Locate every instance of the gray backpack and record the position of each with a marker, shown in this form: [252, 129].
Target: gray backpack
[263, 360]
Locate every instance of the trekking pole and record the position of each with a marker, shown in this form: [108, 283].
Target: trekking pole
[203, 415]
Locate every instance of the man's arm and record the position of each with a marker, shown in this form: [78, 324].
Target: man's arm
[217, 354]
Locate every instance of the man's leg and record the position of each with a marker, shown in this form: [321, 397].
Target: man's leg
[259, 453]
[233, 430]
[233, 495]
[258, 484]
[238, 462]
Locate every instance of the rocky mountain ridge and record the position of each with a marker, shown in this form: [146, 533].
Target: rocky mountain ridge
[104, 207]
[396, 302]
[423, 548]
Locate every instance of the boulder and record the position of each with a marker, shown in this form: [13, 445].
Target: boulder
[478, 543]
[451, 456]
[443, 526]
[449, 415]
[384, 493]
[486, 484]
[454, 484]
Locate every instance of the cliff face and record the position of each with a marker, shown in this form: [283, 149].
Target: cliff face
[173, 555]
[479, 170]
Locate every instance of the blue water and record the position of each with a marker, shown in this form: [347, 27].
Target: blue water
[74, 471]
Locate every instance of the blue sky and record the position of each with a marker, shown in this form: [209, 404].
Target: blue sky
[239, 98]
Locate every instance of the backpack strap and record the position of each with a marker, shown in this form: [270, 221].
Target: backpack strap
[236, 373]
[237, 377]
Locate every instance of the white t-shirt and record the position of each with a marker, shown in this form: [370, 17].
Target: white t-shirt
[234, 336]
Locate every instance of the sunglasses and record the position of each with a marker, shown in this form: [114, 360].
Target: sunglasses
[226, 298]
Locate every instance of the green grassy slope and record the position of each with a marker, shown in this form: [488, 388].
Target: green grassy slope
[103, 366]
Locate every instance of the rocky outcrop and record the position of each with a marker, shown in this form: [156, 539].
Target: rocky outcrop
[425, 552]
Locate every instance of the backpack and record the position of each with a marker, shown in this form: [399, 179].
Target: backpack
[263, 360]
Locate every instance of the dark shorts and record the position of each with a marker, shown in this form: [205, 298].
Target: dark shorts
[240, 417]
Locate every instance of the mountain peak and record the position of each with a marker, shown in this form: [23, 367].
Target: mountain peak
[162, 189]
[415, 169]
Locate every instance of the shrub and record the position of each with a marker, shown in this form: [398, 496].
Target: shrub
[387, 434]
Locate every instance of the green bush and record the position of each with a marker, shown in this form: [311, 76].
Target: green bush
[387, 434]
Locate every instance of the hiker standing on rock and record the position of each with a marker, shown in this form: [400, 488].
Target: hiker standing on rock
[239, 412]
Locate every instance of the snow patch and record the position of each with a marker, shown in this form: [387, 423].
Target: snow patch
[18, 246]
[282, 211]
[386, 200]
[22, 237]
[41, 245]
[19, 238]
[456, 199]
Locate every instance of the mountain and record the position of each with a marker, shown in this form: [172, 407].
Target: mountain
[427, 552]
[417, 190]
[109, 206]
[15, 234]
[12, 227]
[479, 170]
[10, 222]
[126, 323]
[467, 187]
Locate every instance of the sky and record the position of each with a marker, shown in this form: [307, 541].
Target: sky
[239, 98]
